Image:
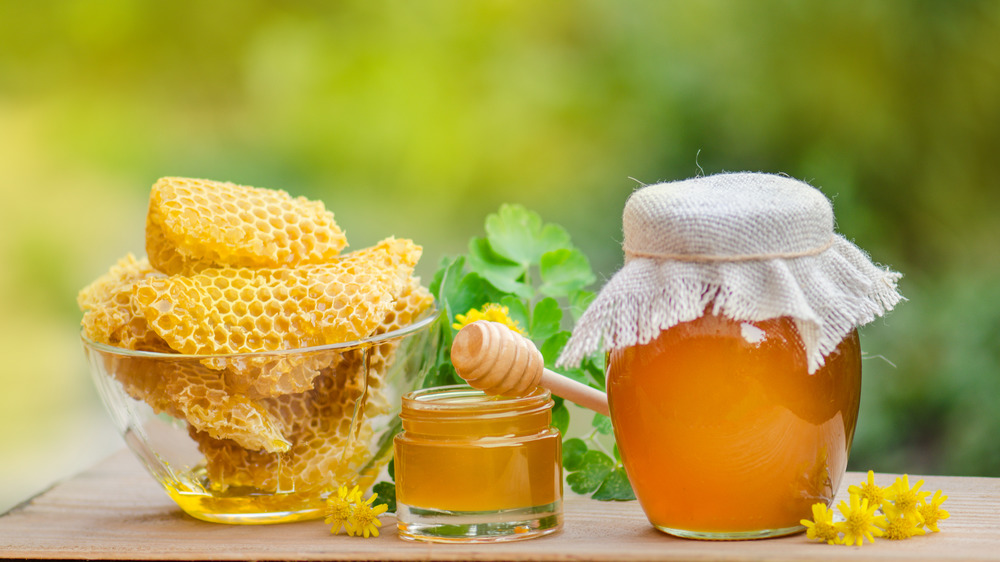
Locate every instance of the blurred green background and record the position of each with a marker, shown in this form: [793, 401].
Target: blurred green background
[420, 118]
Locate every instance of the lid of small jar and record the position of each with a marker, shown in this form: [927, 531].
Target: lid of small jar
[752, 246]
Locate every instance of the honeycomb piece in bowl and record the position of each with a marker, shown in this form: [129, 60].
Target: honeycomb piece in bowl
[187, 390]
[242, 310]
[408, 307]
[199, 395]
[107, 306]
[181, 388]
[318, 422]
[193, 224]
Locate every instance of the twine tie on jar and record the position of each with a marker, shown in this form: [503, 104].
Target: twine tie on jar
[703, 258]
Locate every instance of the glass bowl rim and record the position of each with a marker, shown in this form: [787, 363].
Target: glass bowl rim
[427, 318]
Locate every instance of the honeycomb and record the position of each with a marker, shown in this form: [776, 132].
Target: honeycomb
[236, 270]
[192, 224]
[198, 394]
[324, 452]
[408, 307]
[107, 307]
[318, 424]
[242, 310]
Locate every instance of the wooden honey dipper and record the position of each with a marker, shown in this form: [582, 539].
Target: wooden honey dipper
[497, 360]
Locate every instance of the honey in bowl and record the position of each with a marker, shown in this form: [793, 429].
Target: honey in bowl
[724, 433]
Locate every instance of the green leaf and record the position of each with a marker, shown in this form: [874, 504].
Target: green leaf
[560, 418]
[392, 469]
[446, 278]
[615, 487]
[505, 275]
[546, 319]
[518, 311]
[618, 454]
[595, 468]
[444, 375]
[472, 292]
[564, 271]
[594, 367]
[553, 346]
[579, 301]
[518, 235]
[602, 424]
[572, 453]
[452, 530]
[386, 494]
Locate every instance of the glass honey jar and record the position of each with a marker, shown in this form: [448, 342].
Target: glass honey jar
[746, 439]
[732, 352]
[470, 467]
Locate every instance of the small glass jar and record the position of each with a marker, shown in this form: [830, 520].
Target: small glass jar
[725, 434]
[470, 467]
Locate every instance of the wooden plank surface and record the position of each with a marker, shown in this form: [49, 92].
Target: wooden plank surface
[117, 511]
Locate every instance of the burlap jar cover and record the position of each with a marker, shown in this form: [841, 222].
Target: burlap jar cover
[753, 246]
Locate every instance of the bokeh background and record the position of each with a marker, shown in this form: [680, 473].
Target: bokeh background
[420, 118]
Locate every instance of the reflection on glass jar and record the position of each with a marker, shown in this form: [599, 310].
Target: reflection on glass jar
[476, 468]
[724, 433]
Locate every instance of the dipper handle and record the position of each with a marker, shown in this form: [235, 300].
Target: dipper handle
[497, 360]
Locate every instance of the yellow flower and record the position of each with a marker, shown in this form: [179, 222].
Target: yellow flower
[906, 513]
[340, 506]
[492, 312]
[364, 519]
[822, 528]
[859, 521]
[870, 491]
[897, 525]
[932, 512]
[906, 499]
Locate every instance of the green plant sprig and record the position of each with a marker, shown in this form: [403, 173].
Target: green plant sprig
[535, 271]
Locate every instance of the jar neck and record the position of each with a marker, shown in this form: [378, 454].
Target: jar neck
[454, 412]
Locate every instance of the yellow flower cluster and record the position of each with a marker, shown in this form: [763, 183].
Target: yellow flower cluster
[347, 510]
[492, 312]
[905, 513]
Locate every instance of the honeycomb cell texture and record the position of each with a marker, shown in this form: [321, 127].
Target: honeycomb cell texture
[193, 224]
[318, 423]
[241, 310]
[107, 306]
[187, 390]
[328, 426]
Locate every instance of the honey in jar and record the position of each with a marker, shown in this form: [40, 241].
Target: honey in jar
[470, 467]
[725, 433]
[733, 358]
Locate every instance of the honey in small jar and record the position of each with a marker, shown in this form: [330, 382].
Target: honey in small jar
[733, 358]
[470, 467]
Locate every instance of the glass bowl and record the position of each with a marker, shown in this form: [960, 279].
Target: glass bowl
[230, 445]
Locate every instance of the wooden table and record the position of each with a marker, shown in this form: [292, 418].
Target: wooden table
[117, 511]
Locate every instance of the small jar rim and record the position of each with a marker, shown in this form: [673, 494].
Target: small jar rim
[453, 399]
[428, 317]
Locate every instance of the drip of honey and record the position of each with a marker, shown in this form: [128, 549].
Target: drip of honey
[724, 433]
